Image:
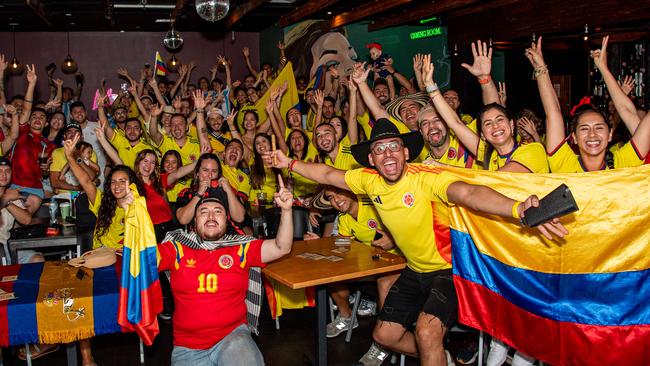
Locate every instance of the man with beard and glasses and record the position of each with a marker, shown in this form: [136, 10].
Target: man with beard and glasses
[444, 148]
[408, 198]
[216, 274]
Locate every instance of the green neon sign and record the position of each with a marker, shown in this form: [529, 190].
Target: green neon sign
[428, 20]
[431, 32]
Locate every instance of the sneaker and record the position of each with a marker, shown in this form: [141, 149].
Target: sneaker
[375, 356]
[165, 315]
[350, 300]
[367, 307]
[467, 356]
[450, 361]
[339, 325]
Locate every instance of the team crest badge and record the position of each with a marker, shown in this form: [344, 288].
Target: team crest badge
[408, 199]
[452, 153]
[192, 157]
[372, 224]
[225, 261]
[240, 178]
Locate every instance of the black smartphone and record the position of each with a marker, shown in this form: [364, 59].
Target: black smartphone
[378, 235]
[559, 202]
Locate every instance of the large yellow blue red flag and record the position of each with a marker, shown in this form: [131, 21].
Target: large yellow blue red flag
[582, 300]
[140, 294]
[160, 67]
[289, 99]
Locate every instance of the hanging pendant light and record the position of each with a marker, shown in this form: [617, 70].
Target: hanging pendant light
[173, 63]
[173, 39]
[15, 68]
[69, 65]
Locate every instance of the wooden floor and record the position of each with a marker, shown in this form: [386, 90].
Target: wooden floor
[292, 345]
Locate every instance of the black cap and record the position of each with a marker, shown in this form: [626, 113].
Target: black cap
[73, 125]
[5, 161]
[208, 199]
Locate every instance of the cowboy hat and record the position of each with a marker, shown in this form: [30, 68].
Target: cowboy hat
[384, 129]
[393, 107]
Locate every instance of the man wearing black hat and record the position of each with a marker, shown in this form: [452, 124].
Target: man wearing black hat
[216, 274]
[412, 201]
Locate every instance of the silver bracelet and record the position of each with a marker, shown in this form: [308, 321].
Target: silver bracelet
[431, 89]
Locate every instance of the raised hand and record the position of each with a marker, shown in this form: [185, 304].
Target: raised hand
[70, 146]
[246, 52]
[102, 101]
[283, 197]
[206, 148]
[99, 132]
[417, 62]
[10, 109]
[360, 73]
[58, 82]
[31, 74]
[236, 83]
[527, 125]
[503, 96]
[122, 71]
[199, 100]
[427, 70]
[155, 110]
[548, 229]
[534, 54]
[284, 87]
[177, 104]
[191, 66]
[482, 60]
[270, 104]
[221, 60]
[627, 84]
[230, 119]
[280, 45]
[600, 56]
[133, 88]
[127, 200]
[52, 104]
[319, 97]
[351, 85]
[3, 63]
[152, 83]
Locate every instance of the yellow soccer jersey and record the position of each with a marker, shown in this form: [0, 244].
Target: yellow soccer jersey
[344, 159]
[181, 184]
[564, 160]
[127, 152]
[114, 236]
[366, 124]
[456, 155]
[59, 161]
[414, 210]
[365, 226]
[219, 141]
[190, 151]
[269, 187]
[532, 156]
[238, 179]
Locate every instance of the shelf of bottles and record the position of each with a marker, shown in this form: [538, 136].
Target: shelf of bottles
[628, 59]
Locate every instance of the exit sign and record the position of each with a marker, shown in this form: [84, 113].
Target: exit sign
[431, 32]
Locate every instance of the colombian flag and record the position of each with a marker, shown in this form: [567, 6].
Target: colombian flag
[289, 98]
[161, 69]
[36, 313]
[582, 300]
[140, 294]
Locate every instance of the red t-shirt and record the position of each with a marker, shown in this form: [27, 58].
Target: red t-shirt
[24, 158]
[156, 205]
[209, 288]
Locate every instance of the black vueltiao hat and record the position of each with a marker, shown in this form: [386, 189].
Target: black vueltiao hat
[384, 129]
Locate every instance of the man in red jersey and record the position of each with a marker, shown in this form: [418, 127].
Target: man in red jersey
[216, 282]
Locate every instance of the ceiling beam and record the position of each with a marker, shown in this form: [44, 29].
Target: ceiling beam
[39, 8]
[364, 11]
[180, 4]
[243, 9]
[478, 8]
[305, 11]
[419, 12]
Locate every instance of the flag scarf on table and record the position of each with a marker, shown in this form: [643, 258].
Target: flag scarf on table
[37, 313]
[289, 98]
[140, 294]
[161, 69]
[578, 301]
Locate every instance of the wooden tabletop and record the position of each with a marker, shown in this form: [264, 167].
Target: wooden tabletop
[296, 272]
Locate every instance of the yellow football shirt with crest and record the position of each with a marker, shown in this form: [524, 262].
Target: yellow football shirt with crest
[456, 155]
[531, 156]
[238, 179]
[414, 210]
[190, 151]
[114, 236]
[124, 149]
[344, 159]
[564, 160]
[366, 224]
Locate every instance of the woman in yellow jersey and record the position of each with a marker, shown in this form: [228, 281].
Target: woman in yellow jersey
[170, 163]
[263, 176]
[249, 124]
[297, 147]
[232, 168]
[502, 151]
[589, 128]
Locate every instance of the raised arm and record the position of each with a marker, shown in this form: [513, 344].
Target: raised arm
[353, 126]
[319, 98]
[641, 136]
[202, 131]
[417, 70]
[555, 133]
[318, 172]
[273, 249]
[29, 94]
[481, 68]
[159, 97]
[133, 89]
[59, 90]
[278, 131]
[181, 172]
[360, 75]
[101, 114]
[247, 59]
[154, 132]
[182, 74]
[79, 85]
[466, 136]
[84, 180]
[624, 106]
[399, 77]
[108, 148]
[3, 67]
[11, 138]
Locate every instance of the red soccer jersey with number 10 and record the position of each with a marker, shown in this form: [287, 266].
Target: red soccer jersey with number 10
[209, 290]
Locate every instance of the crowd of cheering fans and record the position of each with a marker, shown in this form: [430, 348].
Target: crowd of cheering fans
[182, 143]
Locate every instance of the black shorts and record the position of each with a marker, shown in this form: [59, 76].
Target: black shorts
[432, 293]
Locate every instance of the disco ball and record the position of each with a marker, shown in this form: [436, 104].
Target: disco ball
[173, 39]
[212, 10]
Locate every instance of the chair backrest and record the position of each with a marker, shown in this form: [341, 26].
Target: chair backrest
[300, 222]
[85, 219]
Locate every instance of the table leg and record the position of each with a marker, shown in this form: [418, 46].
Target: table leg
[71, 353]
[321, 326]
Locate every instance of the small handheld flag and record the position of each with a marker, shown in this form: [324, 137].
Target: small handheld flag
[161, 68]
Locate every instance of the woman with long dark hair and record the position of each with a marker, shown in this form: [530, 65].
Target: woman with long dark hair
[263, 176]
[55, 129]
[232, 168]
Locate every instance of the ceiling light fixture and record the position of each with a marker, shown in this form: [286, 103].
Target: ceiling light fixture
[15, 68]
[585, 36]
[173, 39]
[69, 65]
[212, 10]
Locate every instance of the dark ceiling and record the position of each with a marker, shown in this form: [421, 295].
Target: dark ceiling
[502, 20]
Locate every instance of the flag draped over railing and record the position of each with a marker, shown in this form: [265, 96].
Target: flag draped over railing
[582, 300]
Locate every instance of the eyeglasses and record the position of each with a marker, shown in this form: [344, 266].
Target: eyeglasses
[393, 146]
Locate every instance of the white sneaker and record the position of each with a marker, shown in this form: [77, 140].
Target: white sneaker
[339, 325]
[450, 361]
[367, 307]
[375, 356]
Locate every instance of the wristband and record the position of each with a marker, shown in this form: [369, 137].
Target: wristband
[485, 80]
[431, 89]
[543, 69]
[515, 210]
[200, 110]
[291, 164]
